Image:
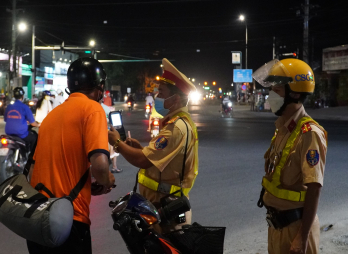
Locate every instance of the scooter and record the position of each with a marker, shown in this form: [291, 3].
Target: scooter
[227, 110]
[155, 127]
[13, 156]
[130, 106]
[147, 111]
[133, 216]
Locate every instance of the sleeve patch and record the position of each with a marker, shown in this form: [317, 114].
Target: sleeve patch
[306, 128]
[161, 143]
[312, 157]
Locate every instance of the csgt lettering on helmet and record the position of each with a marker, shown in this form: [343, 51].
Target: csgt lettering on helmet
[304, 77]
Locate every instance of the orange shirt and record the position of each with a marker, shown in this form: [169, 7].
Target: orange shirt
[107, 101]
[68, 137]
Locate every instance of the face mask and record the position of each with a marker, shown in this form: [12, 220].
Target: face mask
[275, 101]
[47, 97]
[159, 106]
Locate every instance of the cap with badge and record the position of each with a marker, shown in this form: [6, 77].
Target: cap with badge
[173, 76]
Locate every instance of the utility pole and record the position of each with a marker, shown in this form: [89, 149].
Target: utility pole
[274, 54]
[305, 31]
[33, 68]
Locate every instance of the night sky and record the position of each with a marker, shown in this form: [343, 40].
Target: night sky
[176, 29]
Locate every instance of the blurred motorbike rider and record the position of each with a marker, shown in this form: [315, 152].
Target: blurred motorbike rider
[43, 106]
[161, 162]
[16, 117]
[149, 99]
[73, 139]
[224, 102]
[60, 97]
[107, 99]
[295, 161]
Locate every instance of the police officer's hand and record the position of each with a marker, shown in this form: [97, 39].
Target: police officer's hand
[113, 135]
[298, 245]
[133, 143]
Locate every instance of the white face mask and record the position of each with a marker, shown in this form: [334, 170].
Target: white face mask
[275, 101]
[47, 97]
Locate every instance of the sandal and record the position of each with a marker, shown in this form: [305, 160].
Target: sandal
[116, 170]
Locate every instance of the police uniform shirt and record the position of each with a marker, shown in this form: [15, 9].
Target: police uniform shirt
[166, 153]
[306, 162]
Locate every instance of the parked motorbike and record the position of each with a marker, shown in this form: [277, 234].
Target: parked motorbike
[133, 216]
[147, 111]
[227, 110]
[155, 127]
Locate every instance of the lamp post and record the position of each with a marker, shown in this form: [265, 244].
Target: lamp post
[242, 18]
[92, 45]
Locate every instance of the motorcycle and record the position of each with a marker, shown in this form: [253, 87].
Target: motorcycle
[130, 106]
[147, 111]
[13, 156]
[133, 216]
[155, 127]
[227, 110]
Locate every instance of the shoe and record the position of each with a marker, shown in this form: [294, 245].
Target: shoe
[116, 170]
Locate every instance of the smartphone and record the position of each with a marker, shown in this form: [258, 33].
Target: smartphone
[115, 119]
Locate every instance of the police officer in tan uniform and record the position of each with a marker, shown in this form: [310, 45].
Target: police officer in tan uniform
[161, 162]
[295, 161]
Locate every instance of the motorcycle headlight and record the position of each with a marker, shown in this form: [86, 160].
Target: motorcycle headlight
[229, 104]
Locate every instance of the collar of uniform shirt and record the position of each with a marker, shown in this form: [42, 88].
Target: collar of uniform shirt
[279, 123]
[170, 116]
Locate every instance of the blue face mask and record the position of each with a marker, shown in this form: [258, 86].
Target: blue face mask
[159, 106]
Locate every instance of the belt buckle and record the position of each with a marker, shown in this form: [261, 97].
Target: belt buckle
[164, 188]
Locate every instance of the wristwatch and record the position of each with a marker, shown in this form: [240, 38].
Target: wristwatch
[115, 146]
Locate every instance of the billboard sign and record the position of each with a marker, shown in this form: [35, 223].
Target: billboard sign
[335, 58]
[242, 75]
[236, 57]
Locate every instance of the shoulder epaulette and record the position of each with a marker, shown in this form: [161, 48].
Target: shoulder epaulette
[173, 120]
[306, 127]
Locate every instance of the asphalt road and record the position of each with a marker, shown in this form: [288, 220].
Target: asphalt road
[228, 184]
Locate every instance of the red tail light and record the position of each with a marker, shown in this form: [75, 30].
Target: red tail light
[4, 141]
[156, 122]
[147, 106]
[129, 103]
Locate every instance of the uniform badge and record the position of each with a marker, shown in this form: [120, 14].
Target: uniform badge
[173, 119]
[161, 143]
[306, 128]
[312, 157]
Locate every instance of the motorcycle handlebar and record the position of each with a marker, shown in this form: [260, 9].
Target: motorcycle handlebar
[121, 222]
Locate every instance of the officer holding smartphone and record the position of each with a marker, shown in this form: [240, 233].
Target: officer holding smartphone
[161, 162]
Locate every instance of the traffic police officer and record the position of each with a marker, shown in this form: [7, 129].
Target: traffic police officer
[161, 162]
[295, 161]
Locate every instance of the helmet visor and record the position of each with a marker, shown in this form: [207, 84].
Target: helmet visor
[265, 74]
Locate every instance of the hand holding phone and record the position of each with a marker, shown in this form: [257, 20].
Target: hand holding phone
[115, 119]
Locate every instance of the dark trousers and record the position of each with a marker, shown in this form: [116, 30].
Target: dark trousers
[30, 140]
[79, 242]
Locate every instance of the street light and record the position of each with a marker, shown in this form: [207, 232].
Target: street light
[205, 83]
[193, 80]
[22, 27]
[242, 18]
[92, 43]
[214, 83]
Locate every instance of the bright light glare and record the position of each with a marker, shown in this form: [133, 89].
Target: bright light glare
[229, 104]
[193, 80]
[22, 26]
[92, 43]
[241, 17]
[195, 96]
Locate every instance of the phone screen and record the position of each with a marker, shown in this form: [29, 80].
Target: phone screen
[116, 120]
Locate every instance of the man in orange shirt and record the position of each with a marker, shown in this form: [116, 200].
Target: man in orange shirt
[74, 138]
[107, 99]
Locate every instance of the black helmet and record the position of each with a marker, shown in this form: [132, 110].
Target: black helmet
[85, 73]
[18, 92]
